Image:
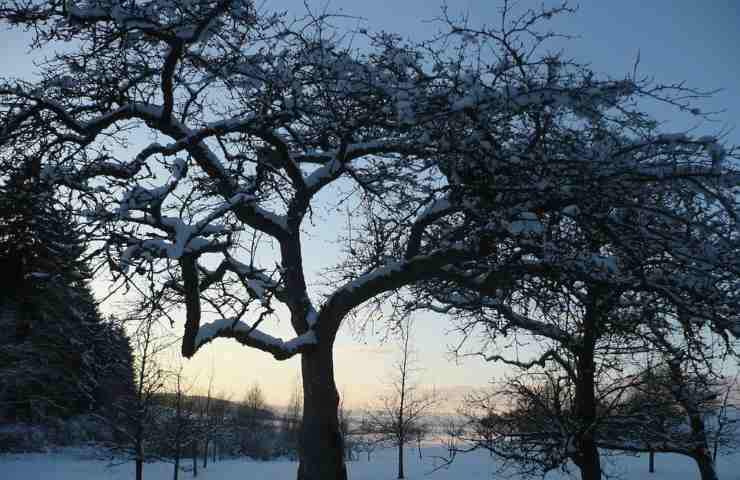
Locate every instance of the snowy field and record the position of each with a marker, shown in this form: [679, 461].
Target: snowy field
[80, 465]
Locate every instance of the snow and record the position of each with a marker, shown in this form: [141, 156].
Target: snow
[38, 275]
[673, 137]
[211, 330]
[279, 220]
[308, 338]
[73, 464]
[324, 173]
[572, 211]
[434, 208]
[312, 317]
[527, 224]
[607, 263]
[371, 276]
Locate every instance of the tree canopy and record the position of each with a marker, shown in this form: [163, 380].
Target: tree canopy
[481, 165]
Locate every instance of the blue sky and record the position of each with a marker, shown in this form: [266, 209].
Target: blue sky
[677, 40]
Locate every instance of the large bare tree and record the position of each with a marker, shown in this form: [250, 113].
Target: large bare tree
[453, 150]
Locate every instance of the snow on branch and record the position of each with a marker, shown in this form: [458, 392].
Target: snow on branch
[585, 100]
[189, 22]
[182, 238]
[254, 279]
[435, 210]
[251, 336]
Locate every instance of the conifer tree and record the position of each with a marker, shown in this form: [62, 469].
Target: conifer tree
[57, 354]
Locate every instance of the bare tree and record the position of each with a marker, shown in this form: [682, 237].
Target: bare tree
[135, 416]
[727, 417]
[674, 407]
[254, 418]
[291, 423]
[419, 432]
[532, 422]
[527, 421]
[180, 433]
[348, 433]
[206, 418]
[454, 161]
[400, 413]
[218, 428]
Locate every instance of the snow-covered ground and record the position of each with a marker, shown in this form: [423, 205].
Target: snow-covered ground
[80, 465]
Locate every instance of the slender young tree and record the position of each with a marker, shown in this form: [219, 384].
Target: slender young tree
[181, 430]
[207, 418]
[401, 412]
[135, 415]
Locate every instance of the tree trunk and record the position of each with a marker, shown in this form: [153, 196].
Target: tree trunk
[701, 453]
[205, 453]
[588, 454]
[590, 462]
[706, 465]
[400, 458]
[321, 451]
[139, 448]
[652, 462]
[195, 458]
[176, 472]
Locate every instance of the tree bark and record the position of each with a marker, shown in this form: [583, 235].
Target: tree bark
[652, 462]
[205, 453]
[590, 462]
[701, 453]
[588, 454]
[706, 465]
[400, 458]
[139, 446]
[195, 458]
[321, 451]
[176, 470]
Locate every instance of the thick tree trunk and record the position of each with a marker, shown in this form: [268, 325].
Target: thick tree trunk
[139, 469]
[321, 449]
[706, 464]
[588, 454]
[652, 462]
[590, 462]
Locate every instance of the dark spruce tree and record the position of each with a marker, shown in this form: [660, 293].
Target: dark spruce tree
[58, 356]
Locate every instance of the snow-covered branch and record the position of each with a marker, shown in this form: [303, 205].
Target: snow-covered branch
[251, 336]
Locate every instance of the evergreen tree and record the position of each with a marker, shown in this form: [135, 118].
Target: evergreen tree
[57, 355]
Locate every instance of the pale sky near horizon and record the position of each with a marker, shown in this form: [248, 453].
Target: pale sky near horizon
[677, 40]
